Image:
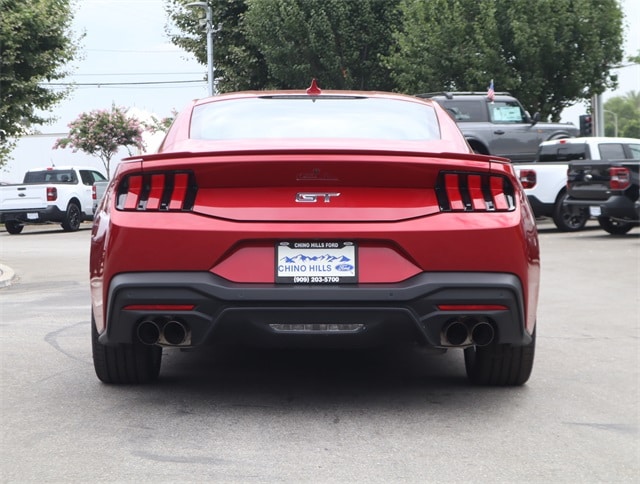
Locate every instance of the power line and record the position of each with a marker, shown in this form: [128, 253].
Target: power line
[99, 84]
[137, 74]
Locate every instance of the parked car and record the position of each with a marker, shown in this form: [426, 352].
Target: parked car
[61, 195]
[322, 218]
[545, 180]
[609, 188]
[500, 126]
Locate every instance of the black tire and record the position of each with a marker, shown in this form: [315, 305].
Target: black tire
[615, 227]
[13, 227]
[72, 219]
[125, 364]
[569, 218]
[500, 364]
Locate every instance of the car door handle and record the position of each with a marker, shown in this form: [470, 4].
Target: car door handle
[499, 131]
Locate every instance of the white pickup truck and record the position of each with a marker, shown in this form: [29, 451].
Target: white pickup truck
[54, 194]
[545, 179]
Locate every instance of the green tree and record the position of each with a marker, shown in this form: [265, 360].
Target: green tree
[238, 65]
[625, 112]
[35, 46]
[101, 132]
[548, 53]
[284, 43]
[446, 45]
[339, 43]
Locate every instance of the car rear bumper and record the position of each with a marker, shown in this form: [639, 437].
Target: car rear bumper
[617, 207]
[50, 214]
[212, 309]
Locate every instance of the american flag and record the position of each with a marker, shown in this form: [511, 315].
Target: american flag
[491, 93]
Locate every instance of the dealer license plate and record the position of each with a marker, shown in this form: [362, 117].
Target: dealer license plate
[594, 211]
[32, 216]
[316, 262]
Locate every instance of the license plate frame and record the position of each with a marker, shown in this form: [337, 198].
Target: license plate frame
[321, 262]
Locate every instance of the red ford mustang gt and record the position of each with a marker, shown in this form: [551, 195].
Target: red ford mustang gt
[314, 218]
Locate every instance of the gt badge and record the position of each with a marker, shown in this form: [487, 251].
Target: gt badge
[313, 197]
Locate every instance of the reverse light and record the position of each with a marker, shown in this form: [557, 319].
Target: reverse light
[620, 178]
[163, 191]
[474, 192]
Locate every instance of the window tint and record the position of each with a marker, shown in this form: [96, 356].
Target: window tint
[635, 151]
[87, 179]
[51, 176]
[465, 110]
[613, 151]
[273, 117]
[563, 152]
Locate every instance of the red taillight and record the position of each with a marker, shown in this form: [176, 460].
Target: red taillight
[474, 192]
[52, 194]
[620, 178]
[166, 191]
[528, 178]
[94, 193]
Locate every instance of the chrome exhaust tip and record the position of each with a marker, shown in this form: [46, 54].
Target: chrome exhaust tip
[456, 334]
[174, 333]
[148, 332]
[482, 334]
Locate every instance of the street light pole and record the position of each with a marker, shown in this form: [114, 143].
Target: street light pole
[209, 32]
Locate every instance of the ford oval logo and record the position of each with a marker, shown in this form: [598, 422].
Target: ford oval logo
[344, 267]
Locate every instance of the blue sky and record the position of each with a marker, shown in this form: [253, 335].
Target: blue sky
[125, 42]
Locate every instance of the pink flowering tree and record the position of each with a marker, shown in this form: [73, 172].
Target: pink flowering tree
[101, 133]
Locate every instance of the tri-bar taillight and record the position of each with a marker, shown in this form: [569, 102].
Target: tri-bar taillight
[160, 191]
[474, 192]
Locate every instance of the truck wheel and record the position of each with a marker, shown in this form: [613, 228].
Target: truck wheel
[569, 218]
[72, 219]
[124, 363]
[615, 227]
[13, 227]
[500, 364]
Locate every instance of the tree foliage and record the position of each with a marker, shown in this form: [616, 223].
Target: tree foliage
[339, 43]
[282, 44]
[548, 53]
[238, 65]
[35, 46]
[625, 111]
[101, 132]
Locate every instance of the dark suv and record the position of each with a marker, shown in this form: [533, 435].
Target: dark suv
[501, 127]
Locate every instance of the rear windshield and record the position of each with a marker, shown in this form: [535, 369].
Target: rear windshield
[51, 176]
[563, 152]
[465, 111]
[272, 117]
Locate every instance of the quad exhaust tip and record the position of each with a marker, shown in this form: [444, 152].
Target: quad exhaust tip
[467, 332]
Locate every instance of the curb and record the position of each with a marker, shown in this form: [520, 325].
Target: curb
[6, 275]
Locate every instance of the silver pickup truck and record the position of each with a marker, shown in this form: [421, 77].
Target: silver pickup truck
[501, 126]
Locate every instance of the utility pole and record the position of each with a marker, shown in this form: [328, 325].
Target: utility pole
[208, 23]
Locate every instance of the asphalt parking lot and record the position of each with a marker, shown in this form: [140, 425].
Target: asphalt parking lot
[392, 415]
